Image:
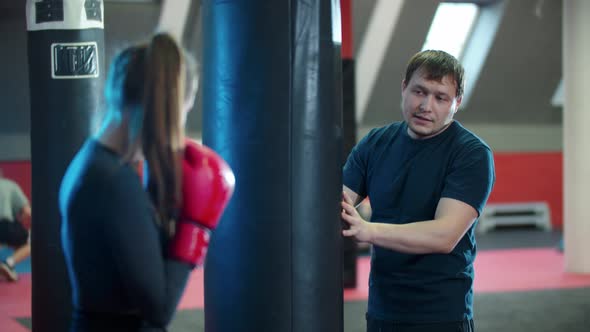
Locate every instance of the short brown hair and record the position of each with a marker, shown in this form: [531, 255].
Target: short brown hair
[437, 65]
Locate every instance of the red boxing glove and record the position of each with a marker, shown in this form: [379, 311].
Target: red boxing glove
[207, 185]
[190, 243]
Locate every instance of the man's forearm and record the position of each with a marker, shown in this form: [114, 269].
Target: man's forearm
[451, 221]
[423, 237]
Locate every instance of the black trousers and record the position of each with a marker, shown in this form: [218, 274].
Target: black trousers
[376, 325]
[13, 234]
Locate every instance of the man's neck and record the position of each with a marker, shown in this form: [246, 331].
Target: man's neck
[413, 135]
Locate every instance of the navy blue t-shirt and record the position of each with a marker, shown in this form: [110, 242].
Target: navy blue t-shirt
[404, 179]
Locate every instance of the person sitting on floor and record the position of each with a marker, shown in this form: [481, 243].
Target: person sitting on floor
[15, 224]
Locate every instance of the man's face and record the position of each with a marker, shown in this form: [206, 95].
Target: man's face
[428, 106]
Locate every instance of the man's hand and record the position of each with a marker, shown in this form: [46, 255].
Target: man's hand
[360, 229]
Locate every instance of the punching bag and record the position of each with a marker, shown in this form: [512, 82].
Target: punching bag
[272, 107]
[65, 54]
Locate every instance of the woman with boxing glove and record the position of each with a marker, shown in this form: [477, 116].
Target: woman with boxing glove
[130, 247]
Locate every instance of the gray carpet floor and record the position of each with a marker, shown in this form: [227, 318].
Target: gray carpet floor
[539, 311]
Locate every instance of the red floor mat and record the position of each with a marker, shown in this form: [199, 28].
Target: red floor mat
[524, 270]
[496, 271]
[15, 301]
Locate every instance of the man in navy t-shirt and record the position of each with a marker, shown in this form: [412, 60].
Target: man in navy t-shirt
[428, 179]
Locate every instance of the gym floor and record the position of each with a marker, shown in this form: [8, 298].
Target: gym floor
[520, 285]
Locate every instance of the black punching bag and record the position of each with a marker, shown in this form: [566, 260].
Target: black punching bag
[272, 103]
[65, 53]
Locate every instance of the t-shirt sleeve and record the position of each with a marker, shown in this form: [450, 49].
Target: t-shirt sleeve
[355, 170]
[153, 283]
[471, 177]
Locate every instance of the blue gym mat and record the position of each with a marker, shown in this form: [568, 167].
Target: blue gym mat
[22, 267]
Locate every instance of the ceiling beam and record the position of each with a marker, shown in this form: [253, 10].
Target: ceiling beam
[372, 50]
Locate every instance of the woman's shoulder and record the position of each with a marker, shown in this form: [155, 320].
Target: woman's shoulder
[96, 173]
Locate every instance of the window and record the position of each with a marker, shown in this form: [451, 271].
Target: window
[451, 27]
